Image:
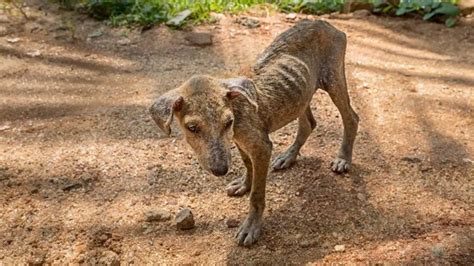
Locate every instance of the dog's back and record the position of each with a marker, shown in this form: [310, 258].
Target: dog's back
[290, 70]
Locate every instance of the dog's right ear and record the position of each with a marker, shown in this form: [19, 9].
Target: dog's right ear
[164, 108]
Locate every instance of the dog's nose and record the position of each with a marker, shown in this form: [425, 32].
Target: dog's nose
[220, 170]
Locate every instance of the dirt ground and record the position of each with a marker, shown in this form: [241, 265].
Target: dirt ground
[81, 162]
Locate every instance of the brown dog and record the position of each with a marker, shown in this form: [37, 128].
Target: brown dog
[213, 112]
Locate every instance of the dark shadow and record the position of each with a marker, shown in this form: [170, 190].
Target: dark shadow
[64, 61]
[444, 78]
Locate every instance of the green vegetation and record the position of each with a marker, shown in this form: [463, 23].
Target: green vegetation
[429, 9]
[146, 12]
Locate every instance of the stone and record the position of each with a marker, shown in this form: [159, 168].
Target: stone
[232, 223]
[307, 243]
[13, 40]
[411, 159]
[124, 42]
[185, 220]
[70, 185]
[37, 259]
[109, 258]
[216, 17]
[339, 248]
[361, 13]
[291, 16]
[248, 22]
[199, 38]
[157, 216]
[95, 34]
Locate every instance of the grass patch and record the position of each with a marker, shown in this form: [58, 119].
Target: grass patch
[147, 12]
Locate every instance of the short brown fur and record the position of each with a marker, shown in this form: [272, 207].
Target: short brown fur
[213, 112]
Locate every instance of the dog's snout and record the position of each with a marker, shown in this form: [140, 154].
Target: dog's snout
[220, 170]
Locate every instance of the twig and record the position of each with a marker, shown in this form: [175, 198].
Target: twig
[19, 7]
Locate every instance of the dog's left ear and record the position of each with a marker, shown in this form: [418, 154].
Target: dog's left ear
[241, 86]
[163, 109]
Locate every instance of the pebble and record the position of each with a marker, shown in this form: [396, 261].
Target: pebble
[185, 220]
[13, 40]
[411, 159]
[232, 223]
[291, 16]
[307, 243]
[199, 38]
[109, 258]
[70, 185]
[361, 13]
[248, 22]
[157, 216]
[339, 248]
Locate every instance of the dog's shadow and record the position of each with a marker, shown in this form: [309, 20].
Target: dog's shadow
[320, 210]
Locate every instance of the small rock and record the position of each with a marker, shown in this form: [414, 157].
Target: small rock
[361, 197]
[307, 243]
[197, 253]
[411, 159]
[216, 17]
[4, 127]
[199, 38]
[109, 258]
[437, 250]
[185, 220]
[124, 42]
[95, 34]
[291, 16]
[339, 248]
[3, 31]
[361, 13]
[467, 160]
[179, 19]
[13, 40]
[35, 53]
[232, 223]
[248, 22]
[70, 185]
[37, 259]
[157, 216]
[425, 168]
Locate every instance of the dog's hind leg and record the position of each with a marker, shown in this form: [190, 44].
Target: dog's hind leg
[306, 124]
[337, 90]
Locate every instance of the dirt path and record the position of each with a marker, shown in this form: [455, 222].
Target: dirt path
[81, 163]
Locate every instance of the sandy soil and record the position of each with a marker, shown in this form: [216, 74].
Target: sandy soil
[81, 162]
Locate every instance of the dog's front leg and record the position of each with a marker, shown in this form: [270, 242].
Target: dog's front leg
[260, 151]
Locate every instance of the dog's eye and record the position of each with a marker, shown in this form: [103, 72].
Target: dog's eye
[192, 128]
[228, 124]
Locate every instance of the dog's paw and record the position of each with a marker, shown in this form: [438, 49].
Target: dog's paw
[284, 160]
[237, 188]
[340, 165]
[249, 232]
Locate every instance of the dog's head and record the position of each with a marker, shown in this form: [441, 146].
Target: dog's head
[202, 107]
